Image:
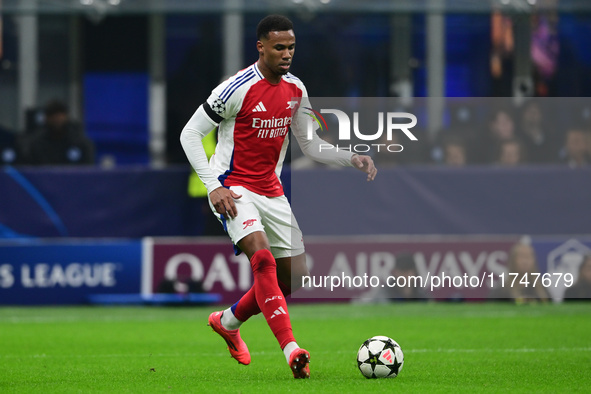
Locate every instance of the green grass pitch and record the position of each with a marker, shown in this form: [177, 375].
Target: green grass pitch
[474, 347]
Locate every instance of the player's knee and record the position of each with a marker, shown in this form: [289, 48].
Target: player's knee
[263, 260]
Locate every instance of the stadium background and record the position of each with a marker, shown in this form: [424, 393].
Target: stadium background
[134, 71]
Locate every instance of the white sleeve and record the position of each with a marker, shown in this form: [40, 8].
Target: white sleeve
[313, 146]
[194, 131]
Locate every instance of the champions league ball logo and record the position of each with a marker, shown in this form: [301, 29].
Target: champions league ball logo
[380, 357]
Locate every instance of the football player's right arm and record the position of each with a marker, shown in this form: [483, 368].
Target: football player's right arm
[192, 135]
[194, 131]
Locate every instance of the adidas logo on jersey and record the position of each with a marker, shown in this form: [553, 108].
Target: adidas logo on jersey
[279, 311]
[260, 107]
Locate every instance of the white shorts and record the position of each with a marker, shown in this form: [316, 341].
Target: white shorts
[272, 215]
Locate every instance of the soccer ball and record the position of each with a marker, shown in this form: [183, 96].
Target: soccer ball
[380, 357]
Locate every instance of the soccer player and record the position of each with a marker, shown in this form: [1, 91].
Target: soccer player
[253, 111]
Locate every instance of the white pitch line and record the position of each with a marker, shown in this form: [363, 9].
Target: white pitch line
[89, 356]
[75, 319]
[501, 350]
[225, 354]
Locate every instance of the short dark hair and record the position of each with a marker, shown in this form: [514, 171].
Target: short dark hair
[55, 107]
[273, 23]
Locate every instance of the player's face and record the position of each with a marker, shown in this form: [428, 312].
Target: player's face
[277, 51]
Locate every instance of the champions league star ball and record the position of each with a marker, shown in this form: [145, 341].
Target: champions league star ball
[380, 357]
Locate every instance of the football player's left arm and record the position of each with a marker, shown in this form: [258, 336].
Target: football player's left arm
[365, 163]
[319, 150]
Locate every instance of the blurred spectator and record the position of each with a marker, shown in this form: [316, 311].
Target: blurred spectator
[511, 153]
[582, 288]
[575, 152]
[502, 124]
[501, 55]
[538, 141]
[501, 127]
[454, 151]
[60, 141]
[522, 261]
[545, 49]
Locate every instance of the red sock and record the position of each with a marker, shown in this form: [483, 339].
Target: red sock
[247, 306]
[269, 297]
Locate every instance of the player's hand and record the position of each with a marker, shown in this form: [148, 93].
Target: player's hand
[222, 200]
[365, 163]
